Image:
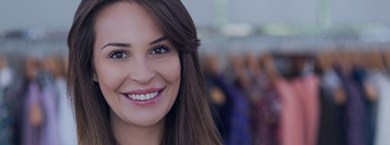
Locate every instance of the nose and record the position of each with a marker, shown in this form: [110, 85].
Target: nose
[141, 71]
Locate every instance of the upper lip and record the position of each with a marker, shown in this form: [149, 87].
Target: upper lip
[144, 91]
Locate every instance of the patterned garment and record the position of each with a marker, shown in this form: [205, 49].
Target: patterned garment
[239, 127]
[265, 112]
[6, 120]
[354, 110]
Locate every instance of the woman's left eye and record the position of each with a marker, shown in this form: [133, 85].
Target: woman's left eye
[159, 50]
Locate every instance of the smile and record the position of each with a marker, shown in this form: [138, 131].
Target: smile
[142, 97]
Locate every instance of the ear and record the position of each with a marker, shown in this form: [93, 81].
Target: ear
[94, 78]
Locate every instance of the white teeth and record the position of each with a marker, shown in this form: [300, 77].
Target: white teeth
[142, 97]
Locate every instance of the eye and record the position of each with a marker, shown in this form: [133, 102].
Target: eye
[118, 55]
[159, 50]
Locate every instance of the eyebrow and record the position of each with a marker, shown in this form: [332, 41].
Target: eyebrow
[120, 44]
[162, 38]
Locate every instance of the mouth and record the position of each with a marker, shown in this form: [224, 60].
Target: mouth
[144, 95]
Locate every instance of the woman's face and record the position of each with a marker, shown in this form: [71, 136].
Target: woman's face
[137, 69]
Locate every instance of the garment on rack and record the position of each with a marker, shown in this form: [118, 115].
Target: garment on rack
[291, 121]
[239, 127]
[364, 79]
[382, 80]
[17, 101]
[6, 116]
[30, 133]
[354, 110]
[50, 132]
[330, 128]
[220, 108]
[299, 115]
[307, 87]
[44, 94]
[265, 112]
[66, 118]
[5, 77]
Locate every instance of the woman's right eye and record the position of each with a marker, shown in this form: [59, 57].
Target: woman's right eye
[118, 55]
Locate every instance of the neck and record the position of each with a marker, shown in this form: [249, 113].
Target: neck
[126, 133]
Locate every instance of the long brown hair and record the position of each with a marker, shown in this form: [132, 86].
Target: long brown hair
[189, 122]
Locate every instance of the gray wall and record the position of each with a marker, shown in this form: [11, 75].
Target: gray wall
[58, 13]
[36, 13]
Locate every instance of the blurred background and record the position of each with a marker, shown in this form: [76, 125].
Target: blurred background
[278, 72]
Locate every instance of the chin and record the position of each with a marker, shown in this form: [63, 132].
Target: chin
[146, 122]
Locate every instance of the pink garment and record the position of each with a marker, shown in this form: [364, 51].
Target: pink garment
[300, 108]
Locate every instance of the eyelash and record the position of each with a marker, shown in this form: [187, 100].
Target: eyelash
[115, 52]
[164, 50]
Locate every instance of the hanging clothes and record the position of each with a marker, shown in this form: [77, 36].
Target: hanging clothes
[6, 116]
[66, 118]
[265, 112]
[50, 132]
[354, 109]
[364, 79]
[383, 127]
[42, 99]
[220, 106]
[299, 117]
[291, 121]
[330, 127]
[31, 133]
[239, 127]
[17, 102]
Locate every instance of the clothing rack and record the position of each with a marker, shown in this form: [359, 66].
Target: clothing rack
[42, 43]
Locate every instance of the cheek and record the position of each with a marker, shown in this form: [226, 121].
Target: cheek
[110, 77]
[170, 72]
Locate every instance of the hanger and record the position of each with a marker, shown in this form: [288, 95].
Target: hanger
[31, 67]
[3, 62]
[267, 64]
[212, 64]
[237, 62]
[386, 57]
[378, 60]
[252, 64]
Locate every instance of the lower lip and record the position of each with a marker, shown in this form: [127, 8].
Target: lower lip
[146, 102]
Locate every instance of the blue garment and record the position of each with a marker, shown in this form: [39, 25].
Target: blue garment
[6, 118]
[354, 110]
[360, 75]
[221, 112]
[240, 124]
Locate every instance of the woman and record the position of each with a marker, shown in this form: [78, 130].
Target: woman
[135, 77]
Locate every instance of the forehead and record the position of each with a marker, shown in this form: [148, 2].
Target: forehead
[126, 21]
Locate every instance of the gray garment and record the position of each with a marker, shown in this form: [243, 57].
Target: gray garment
[382, 83]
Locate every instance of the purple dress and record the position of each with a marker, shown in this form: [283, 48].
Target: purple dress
[47, 133]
